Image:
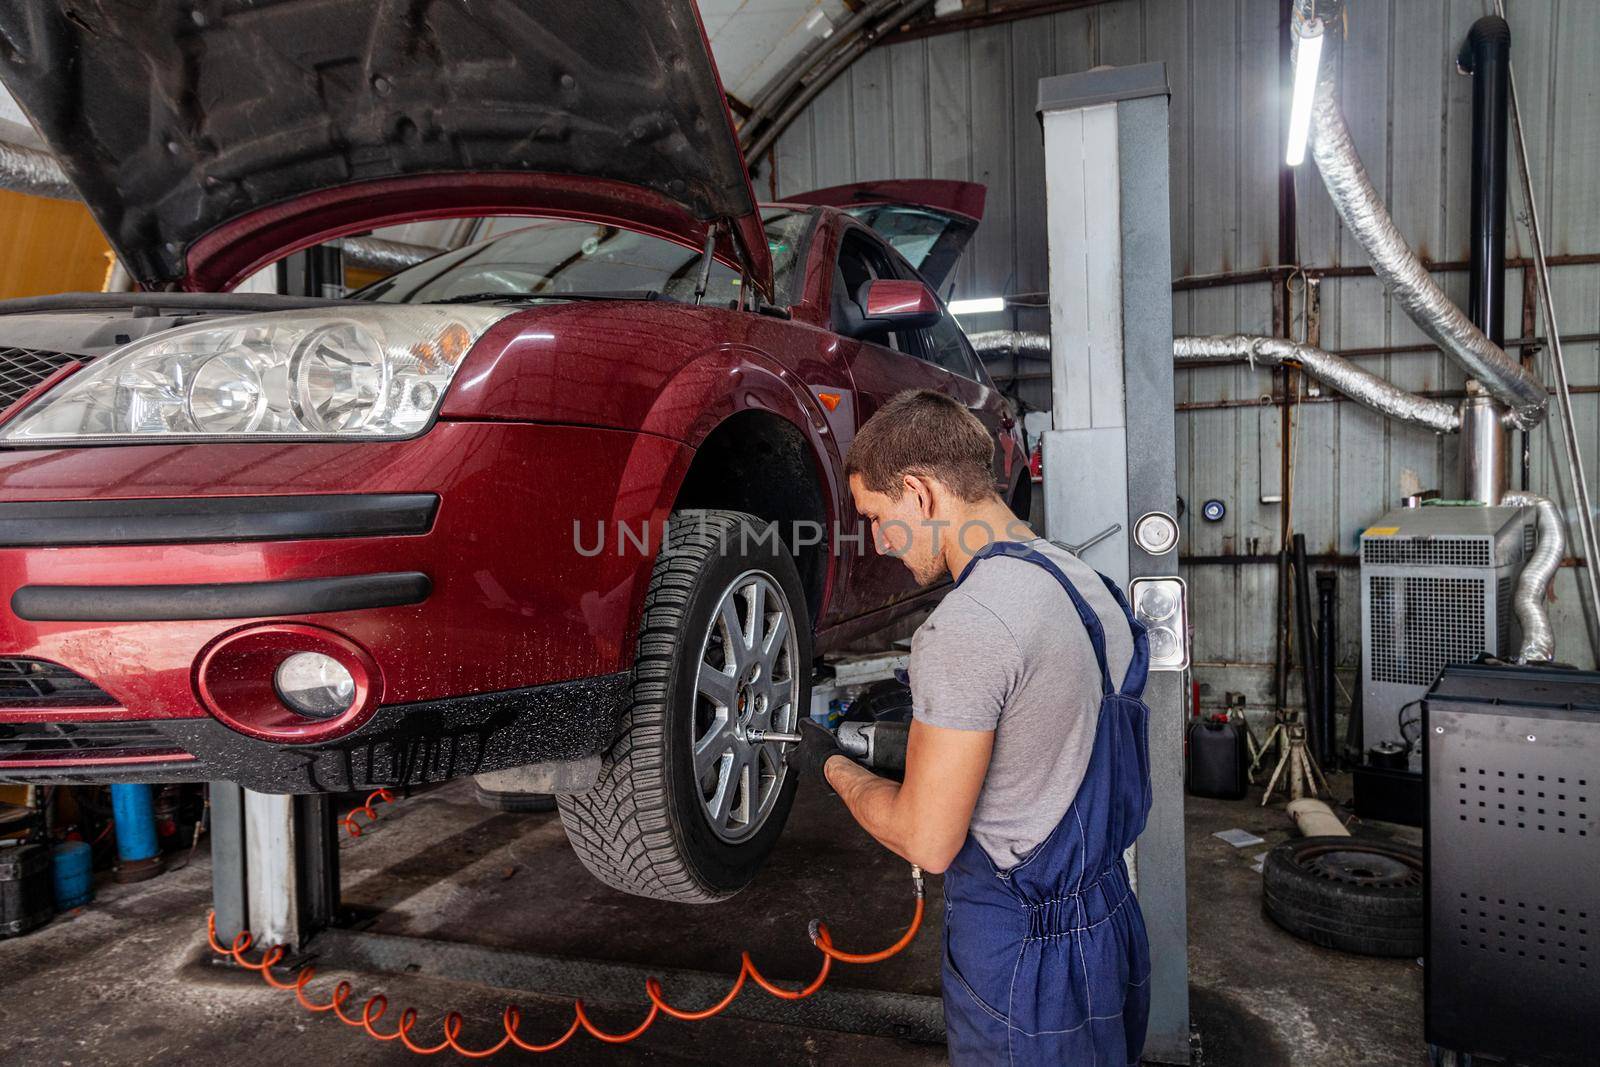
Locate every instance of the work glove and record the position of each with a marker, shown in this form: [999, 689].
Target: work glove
[808, 757]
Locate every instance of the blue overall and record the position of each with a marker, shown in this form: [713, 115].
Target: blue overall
[1047, 962]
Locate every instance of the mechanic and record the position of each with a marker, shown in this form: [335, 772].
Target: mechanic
[1027, 774]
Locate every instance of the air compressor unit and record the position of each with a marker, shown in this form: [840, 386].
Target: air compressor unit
[1436, 589]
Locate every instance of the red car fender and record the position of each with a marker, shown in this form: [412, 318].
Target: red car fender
[735, 378]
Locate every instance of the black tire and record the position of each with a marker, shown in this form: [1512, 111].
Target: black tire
[643, 828]
[1354, 894]
[513, 803]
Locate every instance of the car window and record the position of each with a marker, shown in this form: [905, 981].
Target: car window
[944, 345]
[859, 262]
[931, 241]
[549, 257]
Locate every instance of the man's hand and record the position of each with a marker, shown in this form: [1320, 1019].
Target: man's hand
[926, 819]
[809, 757]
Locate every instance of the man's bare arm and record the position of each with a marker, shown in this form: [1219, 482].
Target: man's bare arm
[924, 820]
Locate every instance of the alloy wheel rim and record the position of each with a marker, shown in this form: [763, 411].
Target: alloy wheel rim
[745, 682]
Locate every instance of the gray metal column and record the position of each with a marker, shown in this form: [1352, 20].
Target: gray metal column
[274, 865]
[228, 878]
[1110, 458]
[292, 862]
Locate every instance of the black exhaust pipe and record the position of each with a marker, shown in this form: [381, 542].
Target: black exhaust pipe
[1311, 689]
[1327, 659]
[1486, 55]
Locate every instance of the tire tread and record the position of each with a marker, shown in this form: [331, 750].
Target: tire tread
[622, 828]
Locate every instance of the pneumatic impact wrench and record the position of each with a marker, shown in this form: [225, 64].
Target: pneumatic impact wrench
[879, 746]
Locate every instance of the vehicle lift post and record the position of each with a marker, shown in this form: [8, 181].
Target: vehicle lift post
[1110, 459]
[274, 865]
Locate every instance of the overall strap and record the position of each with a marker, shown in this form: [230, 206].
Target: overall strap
[1139, 666]
[1091, 619]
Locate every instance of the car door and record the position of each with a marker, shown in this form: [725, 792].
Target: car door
[910, 359]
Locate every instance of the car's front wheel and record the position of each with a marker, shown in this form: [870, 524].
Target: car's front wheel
[691, 798]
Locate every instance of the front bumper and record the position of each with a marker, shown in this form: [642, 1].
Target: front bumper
[399, 745]
[494, 640]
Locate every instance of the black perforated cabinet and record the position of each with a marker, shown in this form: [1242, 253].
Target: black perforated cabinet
[1512, 761]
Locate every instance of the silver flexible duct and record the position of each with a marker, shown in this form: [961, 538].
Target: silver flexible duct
[1025, 343]
[377, 253]
[1364, 214]
[1334, 371]
[28, 170]
[1577, 481]
[1538, 638]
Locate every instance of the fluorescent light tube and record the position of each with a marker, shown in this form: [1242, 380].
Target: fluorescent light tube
[1307, 58]
[981, 306]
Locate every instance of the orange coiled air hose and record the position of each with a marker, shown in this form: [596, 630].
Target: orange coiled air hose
[511, 1019]
[377, 795]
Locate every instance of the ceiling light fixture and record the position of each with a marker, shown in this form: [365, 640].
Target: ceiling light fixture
[981, 306]
[1307, 58]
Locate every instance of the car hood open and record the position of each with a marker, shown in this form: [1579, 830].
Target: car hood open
[210, 139]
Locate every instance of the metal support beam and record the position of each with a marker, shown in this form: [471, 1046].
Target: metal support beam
[274, 865]
[228, 878]
[1111, 457]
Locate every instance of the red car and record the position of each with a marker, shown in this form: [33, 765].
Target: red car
[571, 497]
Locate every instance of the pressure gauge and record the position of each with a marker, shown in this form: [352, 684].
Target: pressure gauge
[1156, 532]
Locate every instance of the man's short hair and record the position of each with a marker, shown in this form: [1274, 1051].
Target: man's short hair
[927, 434]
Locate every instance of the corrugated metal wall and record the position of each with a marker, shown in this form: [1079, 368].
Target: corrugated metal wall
[961, 106]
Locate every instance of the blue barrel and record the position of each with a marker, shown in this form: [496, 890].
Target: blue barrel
[72, 871]
[133, 807]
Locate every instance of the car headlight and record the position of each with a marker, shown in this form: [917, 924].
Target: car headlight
[343, 372]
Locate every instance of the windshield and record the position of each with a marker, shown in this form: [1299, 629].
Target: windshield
[557, 257]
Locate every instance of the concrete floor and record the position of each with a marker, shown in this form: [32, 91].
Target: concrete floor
[1258, 995]
[125, 981]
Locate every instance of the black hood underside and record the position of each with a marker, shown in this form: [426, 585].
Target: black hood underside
[173, 118]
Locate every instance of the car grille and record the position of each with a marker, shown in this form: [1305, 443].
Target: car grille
[43, 745]
[36, 684]
[23, 368]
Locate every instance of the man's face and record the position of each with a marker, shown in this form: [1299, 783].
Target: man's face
[900, 528]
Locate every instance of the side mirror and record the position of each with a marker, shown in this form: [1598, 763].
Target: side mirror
[885, 304]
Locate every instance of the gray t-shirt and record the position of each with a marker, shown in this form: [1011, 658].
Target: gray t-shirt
[1006, 651]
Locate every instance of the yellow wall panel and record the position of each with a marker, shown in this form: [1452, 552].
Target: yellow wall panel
[49, 246]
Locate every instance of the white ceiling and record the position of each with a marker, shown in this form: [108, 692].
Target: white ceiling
[753, 39]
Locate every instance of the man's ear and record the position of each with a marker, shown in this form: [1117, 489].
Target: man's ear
[922, 489]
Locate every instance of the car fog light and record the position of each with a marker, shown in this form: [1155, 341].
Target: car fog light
[315, 685]
[1162, 604]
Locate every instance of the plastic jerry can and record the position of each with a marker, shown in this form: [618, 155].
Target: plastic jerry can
[24, 889]
[1217, 763]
